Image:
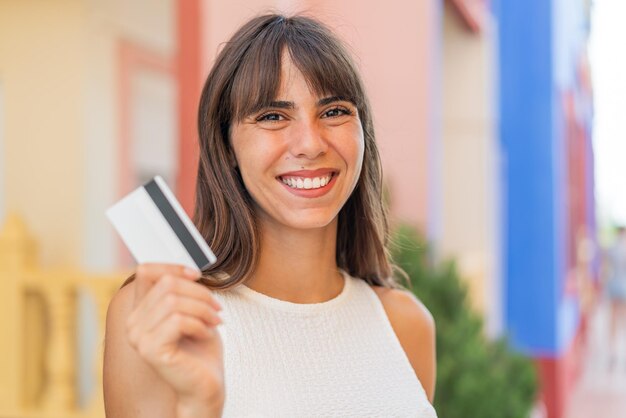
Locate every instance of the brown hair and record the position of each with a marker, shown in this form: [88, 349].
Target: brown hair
[245, 78]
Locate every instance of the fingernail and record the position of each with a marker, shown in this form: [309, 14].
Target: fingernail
[193, 273]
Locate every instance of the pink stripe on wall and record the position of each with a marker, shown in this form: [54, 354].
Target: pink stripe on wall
[189, 76]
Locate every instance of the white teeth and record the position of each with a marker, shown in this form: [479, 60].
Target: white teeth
[307, 183]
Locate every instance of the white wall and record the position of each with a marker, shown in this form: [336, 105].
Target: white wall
[470, 161]
[154, 127]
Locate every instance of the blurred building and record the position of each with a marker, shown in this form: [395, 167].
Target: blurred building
[547, 184]
[483, 122]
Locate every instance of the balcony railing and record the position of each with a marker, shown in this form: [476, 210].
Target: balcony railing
[38, 331]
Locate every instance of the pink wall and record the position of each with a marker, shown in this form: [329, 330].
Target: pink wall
[220, 19]
[397, 51]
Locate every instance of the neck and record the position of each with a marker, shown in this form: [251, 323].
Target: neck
[297, 265]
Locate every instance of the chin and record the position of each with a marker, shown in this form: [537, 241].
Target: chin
[309, 223]
[309, 220]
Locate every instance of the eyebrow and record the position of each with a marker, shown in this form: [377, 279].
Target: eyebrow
[328, 100]
[283, 104]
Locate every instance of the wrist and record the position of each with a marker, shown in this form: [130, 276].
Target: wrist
[196, 408]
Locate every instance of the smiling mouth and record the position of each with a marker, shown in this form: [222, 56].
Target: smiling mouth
[306, 183]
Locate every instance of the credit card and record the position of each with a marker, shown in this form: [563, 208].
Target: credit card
[156, 229]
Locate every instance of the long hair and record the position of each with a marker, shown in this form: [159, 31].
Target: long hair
[245, 78]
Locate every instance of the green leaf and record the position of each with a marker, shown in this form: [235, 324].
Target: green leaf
[476, 377]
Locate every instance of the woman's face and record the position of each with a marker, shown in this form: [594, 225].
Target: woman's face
[300, 158]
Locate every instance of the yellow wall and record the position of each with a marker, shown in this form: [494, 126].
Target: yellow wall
[59, 64]
[42, 49]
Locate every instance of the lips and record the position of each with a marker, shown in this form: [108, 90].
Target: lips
[309, 183]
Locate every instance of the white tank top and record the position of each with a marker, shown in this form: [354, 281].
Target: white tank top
[339, 358]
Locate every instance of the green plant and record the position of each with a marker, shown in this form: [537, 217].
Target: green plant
[476, 377]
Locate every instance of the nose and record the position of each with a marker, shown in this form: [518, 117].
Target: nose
[308, 140]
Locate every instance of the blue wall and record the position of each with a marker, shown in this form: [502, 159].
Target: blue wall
[539, 318]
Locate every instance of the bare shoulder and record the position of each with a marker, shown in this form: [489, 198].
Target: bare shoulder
[403, 307]
[131, 387]
[415, 328]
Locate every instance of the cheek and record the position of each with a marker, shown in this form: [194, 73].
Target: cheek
[359, 154]
[243, 151]
[247, 168]
[352, 149]
[254, 162]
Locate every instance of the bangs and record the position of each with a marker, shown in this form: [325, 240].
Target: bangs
[320, 57]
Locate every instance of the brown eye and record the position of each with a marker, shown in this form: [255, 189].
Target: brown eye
[270, 117]
[336, 111]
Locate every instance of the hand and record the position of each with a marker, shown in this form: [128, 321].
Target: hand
[173, 328]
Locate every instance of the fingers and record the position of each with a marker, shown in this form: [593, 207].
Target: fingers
[166, 290]
[169, 306]
[171, 285]
[156, 346]
[173, 305]
[170, 309]
[148, 274]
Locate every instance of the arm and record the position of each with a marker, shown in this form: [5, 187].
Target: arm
[162, 354]
[131, 387]
[415, 328]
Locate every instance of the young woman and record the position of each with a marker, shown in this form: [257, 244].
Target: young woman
[300, 316]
